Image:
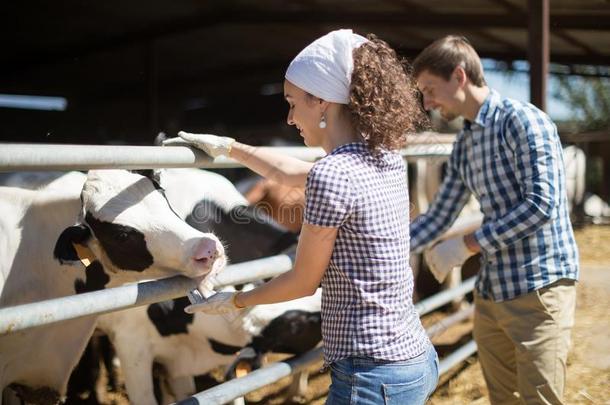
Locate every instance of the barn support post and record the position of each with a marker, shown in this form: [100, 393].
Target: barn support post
[538, 50]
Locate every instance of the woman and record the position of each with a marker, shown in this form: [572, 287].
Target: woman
[352, 97]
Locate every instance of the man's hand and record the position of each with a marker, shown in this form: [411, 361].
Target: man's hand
[444, 256]
[219, 303]
[213, 145]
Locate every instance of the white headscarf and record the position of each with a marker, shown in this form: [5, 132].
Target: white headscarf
[324, 68]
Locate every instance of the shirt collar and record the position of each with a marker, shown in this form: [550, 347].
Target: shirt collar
[349, 147]
[486, 111]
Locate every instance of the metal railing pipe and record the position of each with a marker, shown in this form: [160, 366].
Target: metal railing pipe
[21, 317]
[230, 390]
[457, 357]
[438, 300]
[22, 156]
[449, 321]
[239, 387]
[254, 270]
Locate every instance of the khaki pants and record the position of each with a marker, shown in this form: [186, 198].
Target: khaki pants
[523, 344]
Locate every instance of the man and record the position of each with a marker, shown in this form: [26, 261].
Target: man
[509, 156]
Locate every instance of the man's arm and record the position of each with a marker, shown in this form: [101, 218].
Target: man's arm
[537, 165]
[447, 204]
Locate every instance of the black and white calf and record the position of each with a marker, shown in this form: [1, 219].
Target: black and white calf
[211, 203]
[189, 345]
[123, 224]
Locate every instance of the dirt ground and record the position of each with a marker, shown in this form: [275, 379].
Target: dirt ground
[588, 363]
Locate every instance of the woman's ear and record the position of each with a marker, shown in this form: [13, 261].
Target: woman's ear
[323, 105]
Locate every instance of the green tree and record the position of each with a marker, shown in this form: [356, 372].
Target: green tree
[590, 99]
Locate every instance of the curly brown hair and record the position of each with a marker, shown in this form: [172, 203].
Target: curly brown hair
[384, 101]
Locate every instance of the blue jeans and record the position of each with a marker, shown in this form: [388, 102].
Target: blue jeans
[366, 381]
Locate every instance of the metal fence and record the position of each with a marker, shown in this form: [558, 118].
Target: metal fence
[20, 157]
[233, 389]
[21, 317]
[16, 156]
[42, 157]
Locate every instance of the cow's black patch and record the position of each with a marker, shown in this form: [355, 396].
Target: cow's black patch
[246, 231]
[246, 355]
[96, 279]
[85, 376]
[64, 251]
[152, 175]
[285, 241]
[293, 332]
[222, 348]
[169, 317]
[41, 395]
[123, 244]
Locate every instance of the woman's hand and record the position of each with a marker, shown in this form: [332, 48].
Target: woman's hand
[217, 304]
[213, 145]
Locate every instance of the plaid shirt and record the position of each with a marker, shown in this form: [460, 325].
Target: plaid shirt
[511, 159]
[367, 289]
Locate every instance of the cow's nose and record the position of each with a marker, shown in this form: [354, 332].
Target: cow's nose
[206, 251]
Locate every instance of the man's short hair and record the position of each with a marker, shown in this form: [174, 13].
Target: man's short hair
[444, 55]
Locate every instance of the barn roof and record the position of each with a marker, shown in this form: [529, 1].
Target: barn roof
[133, 67]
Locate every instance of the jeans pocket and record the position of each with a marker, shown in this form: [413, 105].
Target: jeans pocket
[339, 374]
[412, 392]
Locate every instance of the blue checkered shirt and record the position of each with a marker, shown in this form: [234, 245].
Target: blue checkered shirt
[367, 289]
[510, 158]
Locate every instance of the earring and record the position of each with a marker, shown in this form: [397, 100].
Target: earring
[322, 122]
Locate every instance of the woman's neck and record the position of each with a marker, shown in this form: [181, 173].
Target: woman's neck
[340, 131]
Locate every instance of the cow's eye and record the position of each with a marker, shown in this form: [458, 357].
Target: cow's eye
[122, 236]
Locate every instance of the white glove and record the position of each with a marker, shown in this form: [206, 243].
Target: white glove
[219, 303]
[213, 145]
[444, 256]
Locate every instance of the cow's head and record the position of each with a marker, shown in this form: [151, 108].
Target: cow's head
[129, 227]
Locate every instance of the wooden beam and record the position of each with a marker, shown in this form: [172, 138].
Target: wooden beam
[595, 136]
[538, 50]
[508, 56]
[410, 6]
[575, 42]
[558, 32]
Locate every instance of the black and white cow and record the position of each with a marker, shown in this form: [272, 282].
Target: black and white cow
[211, 203]
[123, 224]
[188, 345]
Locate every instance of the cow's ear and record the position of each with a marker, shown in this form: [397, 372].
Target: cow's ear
[64, 249]
[152, 175]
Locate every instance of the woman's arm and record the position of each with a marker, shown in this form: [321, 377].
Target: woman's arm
[282, 169]
[314, 250]
[274, 166]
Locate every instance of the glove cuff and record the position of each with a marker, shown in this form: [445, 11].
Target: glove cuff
[229, 144]
[234, 300]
